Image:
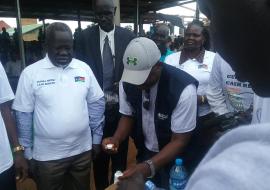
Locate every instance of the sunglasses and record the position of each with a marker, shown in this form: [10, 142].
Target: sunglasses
[146, 99]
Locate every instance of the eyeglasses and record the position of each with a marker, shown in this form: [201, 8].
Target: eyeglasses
[146, 99]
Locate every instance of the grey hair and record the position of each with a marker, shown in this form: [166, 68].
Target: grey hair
[56, 26]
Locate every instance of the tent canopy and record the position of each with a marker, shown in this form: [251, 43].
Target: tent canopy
[26, 29]
[70, 9]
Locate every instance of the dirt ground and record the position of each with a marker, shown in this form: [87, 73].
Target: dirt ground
[30, 184]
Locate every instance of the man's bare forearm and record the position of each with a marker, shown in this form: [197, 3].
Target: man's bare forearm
[171, 150]
[9, 123]
[124, 128]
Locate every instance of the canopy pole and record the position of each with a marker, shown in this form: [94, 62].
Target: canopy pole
[43, 25]
[137, 18]
[141, 25]
[79, 19]
[19, 27]
[117, 18]
[197, 16]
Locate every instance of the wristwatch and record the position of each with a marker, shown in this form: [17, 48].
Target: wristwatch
[152, 168]
[18, 148]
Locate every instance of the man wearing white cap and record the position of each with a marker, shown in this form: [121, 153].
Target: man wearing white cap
[158, 105]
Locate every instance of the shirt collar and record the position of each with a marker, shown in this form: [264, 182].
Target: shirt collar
[47, 64]
[103, 34]
[184, 56]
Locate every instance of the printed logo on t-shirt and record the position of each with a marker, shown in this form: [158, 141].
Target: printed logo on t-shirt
[79, 79]
[240, 94]
[45, 82]
[202, 66]
[162, 116]
[236, 98]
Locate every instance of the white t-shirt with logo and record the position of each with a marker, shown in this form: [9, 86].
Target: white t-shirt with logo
[183, 117]
[261, 110]
[225, 93]
[200, 71]
[58, 98]
[6, 94]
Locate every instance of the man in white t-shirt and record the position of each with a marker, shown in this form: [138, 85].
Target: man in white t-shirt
[8, 129]
[59, 103]
[224, 92]
[158, 104]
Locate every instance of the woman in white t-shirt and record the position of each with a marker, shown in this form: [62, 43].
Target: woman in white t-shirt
[196, 61]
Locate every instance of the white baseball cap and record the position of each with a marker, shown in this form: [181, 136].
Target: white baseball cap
[139, 58]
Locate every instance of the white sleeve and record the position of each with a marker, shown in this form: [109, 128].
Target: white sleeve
[94, 91]
[238, 160]
[124, 106]
[214, 92]
[173, 59]
[184, 115]
[6, 93]
[25, 98]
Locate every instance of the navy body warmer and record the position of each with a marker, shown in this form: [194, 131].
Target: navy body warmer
[171, 85]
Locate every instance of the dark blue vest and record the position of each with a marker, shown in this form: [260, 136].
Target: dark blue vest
[171, 85]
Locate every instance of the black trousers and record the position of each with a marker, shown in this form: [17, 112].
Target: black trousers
[7, 180]
[118, 161]
[72, 173]
[200, 142]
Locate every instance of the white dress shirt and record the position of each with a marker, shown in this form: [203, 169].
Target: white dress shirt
[102, 36]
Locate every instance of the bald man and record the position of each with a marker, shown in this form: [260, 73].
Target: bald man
[102, 47]
[161, 38]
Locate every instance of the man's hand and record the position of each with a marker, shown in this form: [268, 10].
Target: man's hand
[110, 145]
[96, 148]
[133, 183]
[141, 168]
[21, 166]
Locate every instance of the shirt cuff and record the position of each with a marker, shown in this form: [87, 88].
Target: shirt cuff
[97, 139]
[28, 153]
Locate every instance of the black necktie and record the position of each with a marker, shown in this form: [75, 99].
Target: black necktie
[108, 66]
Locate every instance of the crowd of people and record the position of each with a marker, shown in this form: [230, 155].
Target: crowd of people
[77, 107]
[10, 51]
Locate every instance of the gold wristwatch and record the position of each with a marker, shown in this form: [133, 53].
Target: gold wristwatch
[18, 148]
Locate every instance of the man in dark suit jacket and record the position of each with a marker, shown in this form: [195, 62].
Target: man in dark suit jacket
[102, 47]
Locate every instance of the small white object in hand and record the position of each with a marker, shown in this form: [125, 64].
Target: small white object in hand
[117, 175]
[109, 146]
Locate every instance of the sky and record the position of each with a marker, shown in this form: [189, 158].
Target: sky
[171, 11]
